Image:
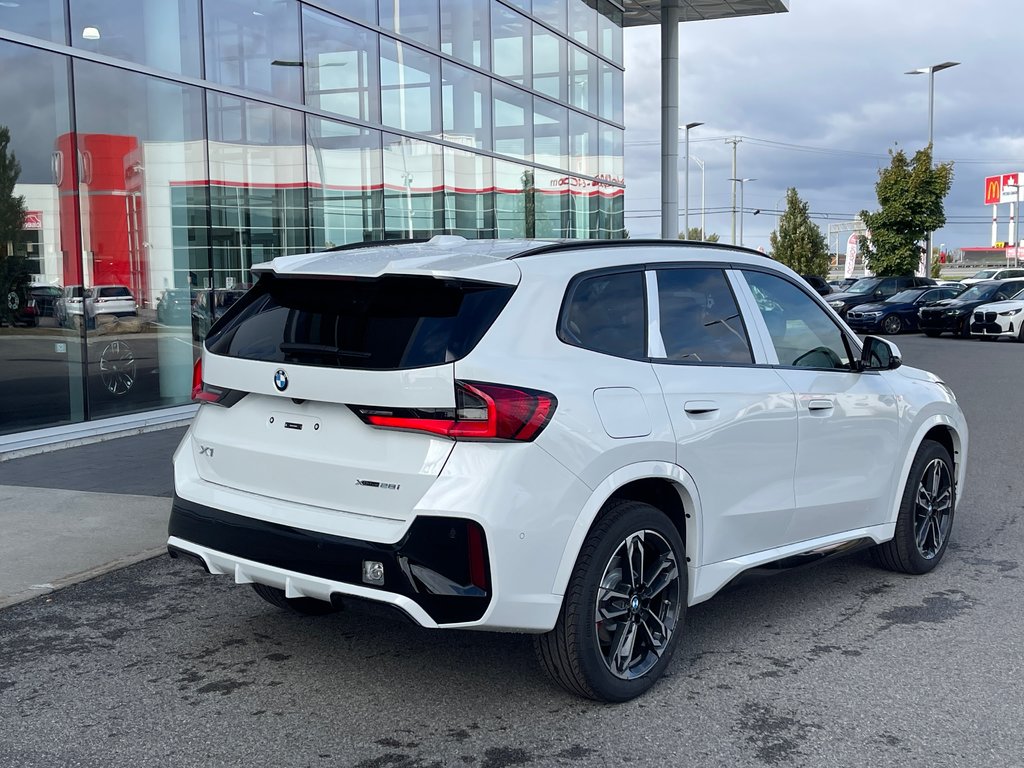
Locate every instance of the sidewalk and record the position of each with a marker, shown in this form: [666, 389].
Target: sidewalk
[71, 514]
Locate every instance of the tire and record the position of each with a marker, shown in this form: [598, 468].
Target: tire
[926, 513]
[305, 606]
[1020, 334]
[964, 332]
[891, 324]
[931, 333]
[578, 653]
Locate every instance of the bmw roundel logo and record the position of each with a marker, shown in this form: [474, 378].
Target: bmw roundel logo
[281, 380]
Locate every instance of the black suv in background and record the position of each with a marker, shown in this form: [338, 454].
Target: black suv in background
[869, 289]
[954, 315]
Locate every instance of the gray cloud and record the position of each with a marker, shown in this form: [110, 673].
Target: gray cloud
[830, 75]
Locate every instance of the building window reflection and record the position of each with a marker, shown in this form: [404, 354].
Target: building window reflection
[342, 67]
[409, 88]
[466, 31]
[413, 188]
[415, 19]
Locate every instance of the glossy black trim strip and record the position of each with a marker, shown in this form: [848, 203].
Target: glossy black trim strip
[430, 565]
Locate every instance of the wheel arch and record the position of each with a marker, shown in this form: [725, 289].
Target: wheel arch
[660, 484]
[942, 430]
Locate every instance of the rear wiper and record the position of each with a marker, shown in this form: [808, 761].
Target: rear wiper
[289, 348]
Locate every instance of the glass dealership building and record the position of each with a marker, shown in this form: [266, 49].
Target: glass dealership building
[168, 145]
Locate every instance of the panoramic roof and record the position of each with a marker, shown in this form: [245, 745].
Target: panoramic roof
[638, 13]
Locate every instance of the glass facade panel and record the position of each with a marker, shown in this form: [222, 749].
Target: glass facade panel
[609, 31]
[549, 52]
[417, 19]
[163, 34]
[511, 43]
[466, 106]
[254, 45]
[469, 194]
[583, 22]
[583, 144]
[551, 12]
[41, 362]
[413, 188]
[582, 79]
[513, 121]
[514, 211]
[346, 187]
[139, 139]
[466, 31]
[550, 134]
[360, 10]
[410, 88]
[342, 66]
[42, 18]
[143, 223]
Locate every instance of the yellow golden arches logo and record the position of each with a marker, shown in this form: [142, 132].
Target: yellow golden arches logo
[993, 190]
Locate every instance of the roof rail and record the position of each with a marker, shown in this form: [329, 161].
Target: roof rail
[572, 245]
[375, 243]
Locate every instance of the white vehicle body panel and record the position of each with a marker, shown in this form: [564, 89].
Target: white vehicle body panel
[759, 476]
[1009, 318]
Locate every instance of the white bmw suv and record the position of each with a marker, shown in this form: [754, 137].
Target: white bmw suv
[572, 439]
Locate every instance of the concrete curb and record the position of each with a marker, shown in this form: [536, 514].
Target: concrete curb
[39, 590]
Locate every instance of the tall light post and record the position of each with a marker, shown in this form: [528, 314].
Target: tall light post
[703, 208]
[930, 71]
[1015, 219]
[743, 184]
[686, 179]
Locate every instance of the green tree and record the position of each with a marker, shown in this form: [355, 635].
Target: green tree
[696, 233]
[13, 266]
[910, 193]
[798, 242]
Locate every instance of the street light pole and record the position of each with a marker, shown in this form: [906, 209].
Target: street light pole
[686, 180]
[930, 71]
[703, 209]
[1015, 221]
[743, 184]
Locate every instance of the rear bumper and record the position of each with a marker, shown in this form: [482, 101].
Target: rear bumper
[429, 574]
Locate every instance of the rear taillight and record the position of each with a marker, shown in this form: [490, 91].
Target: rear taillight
[205, 393]
[482, 412]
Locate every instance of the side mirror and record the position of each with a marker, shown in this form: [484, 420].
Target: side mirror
[879, 355]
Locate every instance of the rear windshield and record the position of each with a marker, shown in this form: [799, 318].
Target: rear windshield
[388, 323]
[113, 292]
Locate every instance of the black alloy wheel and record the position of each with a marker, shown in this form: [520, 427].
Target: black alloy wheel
[964, 329]
[926, 514]
[624, 607]
[892, 324]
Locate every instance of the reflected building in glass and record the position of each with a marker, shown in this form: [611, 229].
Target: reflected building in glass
[166, 146]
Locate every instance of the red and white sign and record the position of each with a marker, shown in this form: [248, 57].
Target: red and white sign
[33, 220]
[1003, 188]
[1014, 253]
[852, 243]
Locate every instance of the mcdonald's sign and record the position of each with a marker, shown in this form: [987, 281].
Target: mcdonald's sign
[993, 189]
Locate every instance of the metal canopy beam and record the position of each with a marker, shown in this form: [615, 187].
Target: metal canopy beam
[638, 13]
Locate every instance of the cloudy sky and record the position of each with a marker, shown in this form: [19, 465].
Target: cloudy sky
[828, 77]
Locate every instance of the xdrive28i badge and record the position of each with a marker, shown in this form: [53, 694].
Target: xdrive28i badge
[280, 380]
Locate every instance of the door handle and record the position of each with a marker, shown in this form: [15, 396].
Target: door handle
[820, 405]
[697, 407]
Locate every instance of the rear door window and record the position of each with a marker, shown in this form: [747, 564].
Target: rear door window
[700, 322]
[388, 323]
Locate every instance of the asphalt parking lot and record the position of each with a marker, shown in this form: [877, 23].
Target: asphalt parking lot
[839, 665]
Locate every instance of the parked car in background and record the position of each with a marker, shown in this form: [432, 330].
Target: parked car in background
[70, 305]
[954, 315]
[116, 300]
[576, 440]
[818, 284]
[174, 307]
[998, 273]
[209, 306]
[842, 283]
[1000, 320]
[898, 313]
[870, 289]
[46, 297]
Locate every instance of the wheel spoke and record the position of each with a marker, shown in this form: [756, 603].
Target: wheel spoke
[659, 625]
[664, 573]
[622, 647]
[936, 478]
[923, 497]
[922, 533]
[944, 500]
[937, 536]
[635, 551]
